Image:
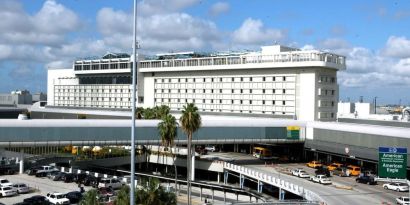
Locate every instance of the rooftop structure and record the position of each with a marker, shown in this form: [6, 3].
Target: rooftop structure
[277, 81]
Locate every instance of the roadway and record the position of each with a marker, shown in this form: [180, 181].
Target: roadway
[334, 194]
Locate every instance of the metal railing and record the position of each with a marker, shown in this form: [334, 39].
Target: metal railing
[246, 59]
[269, 179]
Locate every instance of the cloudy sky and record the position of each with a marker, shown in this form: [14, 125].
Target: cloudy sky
[374, 35]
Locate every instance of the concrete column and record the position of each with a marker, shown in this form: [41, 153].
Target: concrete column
[225, 177]
[21, 170]
[193, 166]
[212, 195]
[219, 177]
[200, 193]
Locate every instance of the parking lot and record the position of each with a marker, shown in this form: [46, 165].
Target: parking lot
[39, 186]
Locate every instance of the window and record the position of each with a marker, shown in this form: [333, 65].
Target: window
[169, 90]
[203, 80]
[179, 90]
[263, 90]
[263, 102]
[241, 101]
[212, 100]
[283, 102]
[212, 80]
[212, 90]
[263, 79]
[220, 101]
[179, 80]
[332, 115]
[220, 79]
[203, 100]
[169, 80]
[162, 80]
[233, 91]
[220, 90]
[155, 91]
[241, 79]
[333, 104]
[203, 91]
[273, 91]
[284, 78]
[193, 90]
[232, 101]
[333, 92]
[250, 90]
[273, 102]
[283, 113]
[241, 90]
[250, 79]
[283, 91]
[273, 79]
[233, 79]
[250, 102]
[186, 90]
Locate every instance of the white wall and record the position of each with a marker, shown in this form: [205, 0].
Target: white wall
[59, 77]
[306, 100]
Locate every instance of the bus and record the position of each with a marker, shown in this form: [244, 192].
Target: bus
[262, 153]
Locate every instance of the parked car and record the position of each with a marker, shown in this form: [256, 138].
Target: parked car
[78, 178]
[7, 191]
[74, 196]
[300, 173]
[366, 179]
[21, 188]
[32, 171]
[396, 186]
[91, 181]
[5, 182]
[210, 148]
[36, 200]
[322, 170]
[106, 191]
[57, 198]
[334, 166]
[314, 164]
[50, 175]
[341, 171]
[7, 171]
[322, 179]
[68, 178]
[404, 200]
[59, 176]
[110, 182]
[354, 170]
[44, 170]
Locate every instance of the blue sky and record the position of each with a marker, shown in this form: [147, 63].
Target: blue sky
[374, 35]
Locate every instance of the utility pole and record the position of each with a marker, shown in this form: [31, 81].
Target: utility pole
[134, 104]
[375, 104]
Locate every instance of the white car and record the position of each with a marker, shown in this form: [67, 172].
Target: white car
[210, 148]
[5, 182]
[57, 198]
[322, 179]
[403, 200]
[7, 191]
[300, 173]
[21, 188]
[110, 182]
[396, 186]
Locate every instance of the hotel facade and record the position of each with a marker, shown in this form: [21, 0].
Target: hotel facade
[277, 81]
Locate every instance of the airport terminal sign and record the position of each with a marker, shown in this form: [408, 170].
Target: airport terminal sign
[293, 132]
[392, 162]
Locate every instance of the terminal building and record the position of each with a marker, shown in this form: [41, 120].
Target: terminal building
[277, 82]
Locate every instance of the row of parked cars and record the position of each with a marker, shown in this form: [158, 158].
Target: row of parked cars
[9, 189]
[105, 186]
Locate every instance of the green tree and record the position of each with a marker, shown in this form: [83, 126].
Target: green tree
[162, 111]
[139, 113]
[190, 122]
[149, 114]
[154, 194]
[90, 198]
[123, 196]
[168, 133]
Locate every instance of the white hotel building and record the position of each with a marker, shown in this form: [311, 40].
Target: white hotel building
[277, 82]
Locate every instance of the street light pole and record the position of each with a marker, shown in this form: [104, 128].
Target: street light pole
[375, 104]
[134, 105]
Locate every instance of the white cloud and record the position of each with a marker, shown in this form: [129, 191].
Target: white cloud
[219, 8]
[153, 7]
[253, 32]
[397, 47]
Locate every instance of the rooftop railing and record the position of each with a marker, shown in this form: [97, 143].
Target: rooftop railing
[246, 59]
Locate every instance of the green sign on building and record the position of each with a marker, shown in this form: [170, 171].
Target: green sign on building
[392, 162]
[293, 132]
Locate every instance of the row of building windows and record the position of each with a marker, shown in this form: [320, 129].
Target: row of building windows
[96, 90]
[94, 98]
[233, 79]
[325, 92]
[263, 102]
[327, 79]
[102, 66]
[233, 91]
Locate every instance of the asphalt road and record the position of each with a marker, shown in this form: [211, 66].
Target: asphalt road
[333, 194]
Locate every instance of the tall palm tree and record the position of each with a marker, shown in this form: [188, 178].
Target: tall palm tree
[123, 196]
[168, 133]
[152, 193]
[149, 114]
[162, 111]
[90, 198]
[190, 122]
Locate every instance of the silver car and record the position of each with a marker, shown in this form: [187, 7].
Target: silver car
[21, 188]
[396, 186]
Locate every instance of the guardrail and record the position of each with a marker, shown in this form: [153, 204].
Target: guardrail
[269, 179]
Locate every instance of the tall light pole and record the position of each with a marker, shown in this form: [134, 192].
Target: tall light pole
[375, 104]
[134, 105]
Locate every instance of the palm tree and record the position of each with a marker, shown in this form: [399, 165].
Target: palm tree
[190, 122]
[149, 114]
[123, 196]
[90, 198]
[162, 111]
[168, 132]
[154, 194]
[139, 113]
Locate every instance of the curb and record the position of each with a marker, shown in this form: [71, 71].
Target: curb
[344, 187]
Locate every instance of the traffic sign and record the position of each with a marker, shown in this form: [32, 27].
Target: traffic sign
[392, 162]
[293, 132]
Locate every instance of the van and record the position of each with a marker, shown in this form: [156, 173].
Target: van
[354, 170]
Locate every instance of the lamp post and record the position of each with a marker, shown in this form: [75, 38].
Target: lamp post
[134, 104]
[375, 104]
